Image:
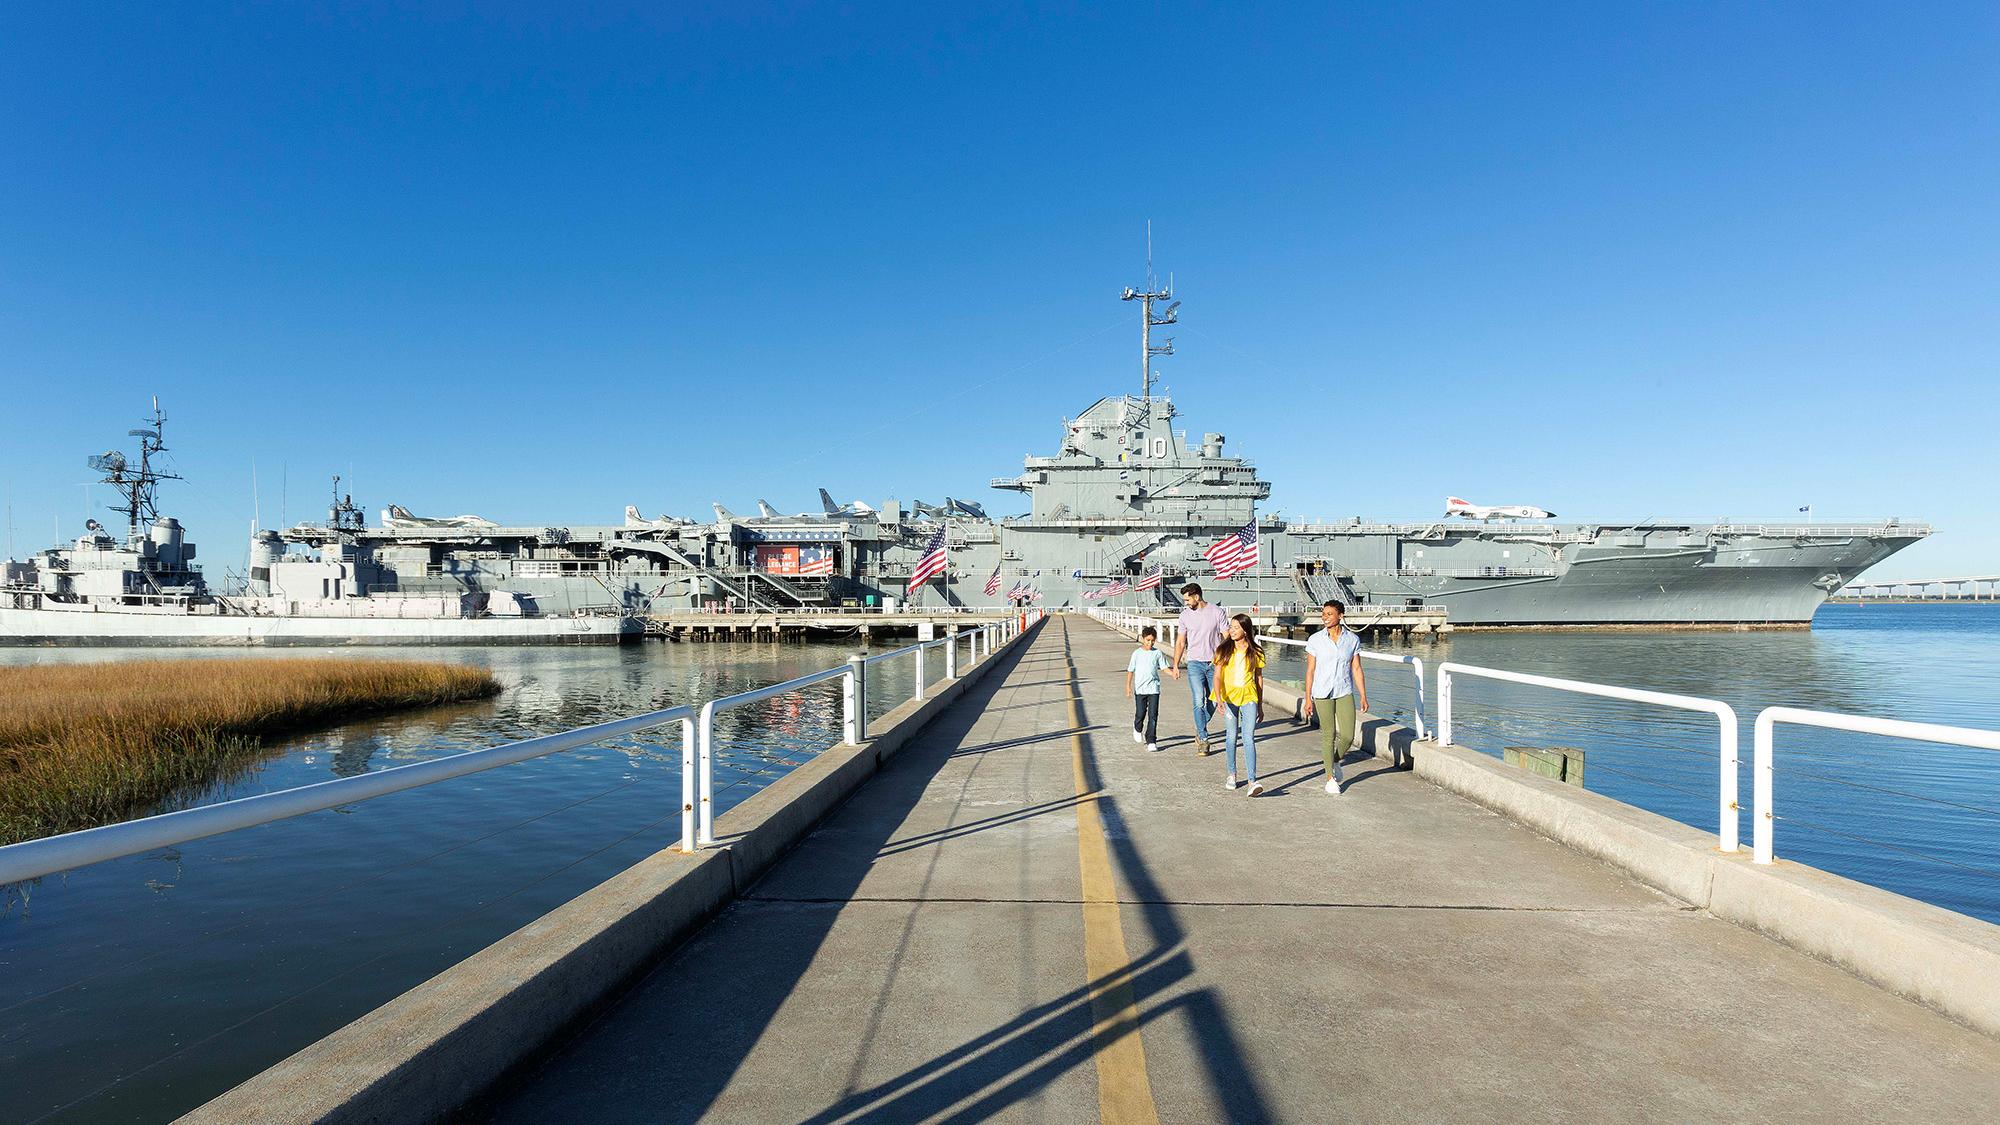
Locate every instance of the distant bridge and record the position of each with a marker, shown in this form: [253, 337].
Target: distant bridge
[1977, 588]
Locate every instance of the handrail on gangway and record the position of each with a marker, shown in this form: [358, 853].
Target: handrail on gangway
[1416, 665]
[1764, 729]
[1725, 717]
[32, 859]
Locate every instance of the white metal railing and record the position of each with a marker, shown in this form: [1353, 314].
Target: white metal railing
[1725, 716]
[1498, 570]
[827, 611]
[1131, 623]
[853, 726]
[32, 859]
[1762, 812]
[1415, 664]
[1822, 530]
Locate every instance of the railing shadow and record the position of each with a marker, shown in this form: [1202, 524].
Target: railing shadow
[671, 1049]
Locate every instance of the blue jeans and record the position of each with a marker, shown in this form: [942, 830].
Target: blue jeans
[1201, 679]
[1241, 718]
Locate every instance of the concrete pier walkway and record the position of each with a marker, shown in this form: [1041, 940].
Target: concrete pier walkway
[1027, 916]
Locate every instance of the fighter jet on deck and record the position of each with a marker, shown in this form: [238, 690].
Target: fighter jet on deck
[966, 508]
[635, 521]
[397, 516]
[850, 509]
[1453, 506]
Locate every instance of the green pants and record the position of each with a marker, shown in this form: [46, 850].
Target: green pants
[1337, 727]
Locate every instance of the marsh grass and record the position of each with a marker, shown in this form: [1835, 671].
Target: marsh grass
[89, 744]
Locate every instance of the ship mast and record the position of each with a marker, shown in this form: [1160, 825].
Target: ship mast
[138, 485]
[1153, 291]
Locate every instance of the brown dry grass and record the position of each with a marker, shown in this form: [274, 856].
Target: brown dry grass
[88, 744]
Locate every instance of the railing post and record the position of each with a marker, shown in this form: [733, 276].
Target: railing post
[1760, 788]
[1444, 704]
[687, 784]
[1729, 797]
[951, 652]
[854, 701]
[918, 694]
[705, 751]
[1417, 666]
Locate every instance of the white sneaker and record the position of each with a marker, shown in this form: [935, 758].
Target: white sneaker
[1229, 782]
[1154, 747]
[1137, 737]
[1334, 787]
[1256, 789]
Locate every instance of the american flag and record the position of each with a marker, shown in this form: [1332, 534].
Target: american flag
[1092, 595]
[928, 567]
[1035, 594]
[815, 561]
[1114, 588]
[993, 583]
[1234, 553]
[1152, 579]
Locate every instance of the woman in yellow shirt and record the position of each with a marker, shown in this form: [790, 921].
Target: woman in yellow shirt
[1239, 689]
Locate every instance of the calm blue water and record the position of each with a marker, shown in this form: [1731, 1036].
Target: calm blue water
[1919, 819]
[136, 989]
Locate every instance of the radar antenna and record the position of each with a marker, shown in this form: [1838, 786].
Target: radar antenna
[342, 515]
[1153, 291]
[137, 485]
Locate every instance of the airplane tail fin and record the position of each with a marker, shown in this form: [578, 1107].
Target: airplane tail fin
[826, 501]
[722, 513]
[766, 510]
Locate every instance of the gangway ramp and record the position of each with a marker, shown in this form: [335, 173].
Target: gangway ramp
[1026, 916]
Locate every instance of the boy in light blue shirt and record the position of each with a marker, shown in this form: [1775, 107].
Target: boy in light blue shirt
[1142, 684]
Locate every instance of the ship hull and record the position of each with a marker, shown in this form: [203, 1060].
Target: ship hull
[142, 629]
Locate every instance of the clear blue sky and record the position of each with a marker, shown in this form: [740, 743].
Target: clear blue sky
[1676, 262]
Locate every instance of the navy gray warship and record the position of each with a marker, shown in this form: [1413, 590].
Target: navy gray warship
[144, 588]
[1128, 501]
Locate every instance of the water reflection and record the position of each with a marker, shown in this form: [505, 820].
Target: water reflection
[250, 945]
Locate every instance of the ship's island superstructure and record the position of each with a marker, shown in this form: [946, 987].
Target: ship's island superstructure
[1124, 494]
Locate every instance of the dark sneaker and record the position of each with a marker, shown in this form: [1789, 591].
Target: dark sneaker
[1201, 746]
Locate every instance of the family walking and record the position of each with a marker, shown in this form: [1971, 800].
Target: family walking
[1224, 666]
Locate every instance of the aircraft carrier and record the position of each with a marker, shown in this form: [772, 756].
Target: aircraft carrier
[1127, 501]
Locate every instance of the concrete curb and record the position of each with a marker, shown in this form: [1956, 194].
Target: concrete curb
[1947, 961]
[449, 1041]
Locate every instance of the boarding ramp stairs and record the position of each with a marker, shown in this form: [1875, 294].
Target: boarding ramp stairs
[1319, 589]
[804, 593]
[741, 589]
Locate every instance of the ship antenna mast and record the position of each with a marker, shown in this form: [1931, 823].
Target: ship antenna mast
[1148, 320]
[137, 485]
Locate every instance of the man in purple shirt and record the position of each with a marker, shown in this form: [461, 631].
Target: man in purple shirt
[1200, 630]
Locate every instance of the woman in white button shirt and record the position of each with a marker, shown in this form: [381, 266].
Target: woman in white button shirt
[1334, 680]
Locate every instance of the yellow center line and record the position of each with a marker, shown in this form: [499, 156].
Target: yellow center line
[1124, 1093]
